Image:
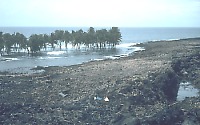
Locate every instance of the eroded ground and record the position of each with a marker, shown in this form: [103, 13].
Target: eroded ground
[141, 89]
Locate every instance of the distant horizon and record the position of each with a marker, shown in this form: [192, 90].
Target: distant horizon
[134, 32]
[95, 27]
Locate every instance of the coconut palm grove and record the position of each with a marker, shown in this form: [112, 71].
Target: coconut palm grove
[17, 42]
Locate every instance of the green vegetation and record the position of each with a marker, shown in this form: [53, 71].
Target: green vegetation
[36, 42]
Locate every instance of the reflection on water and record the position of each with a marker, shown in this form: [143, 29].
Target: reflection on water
[186, 90]
[22, 62]
[56, 52]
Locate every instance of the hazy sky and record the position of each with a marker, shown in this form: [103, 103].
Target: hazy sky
[97, 13]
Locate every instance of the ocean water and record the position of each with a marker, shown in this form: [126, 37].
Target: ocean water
[154, 34]
[21, 62]
[128, 34]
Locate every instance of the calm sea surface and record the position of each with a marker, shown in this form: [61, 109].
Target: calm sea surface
[23, 63]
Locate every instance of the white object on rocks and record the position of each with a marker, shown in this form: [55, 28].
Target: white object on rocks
[106, 99]
[97, 98]
[62, 94]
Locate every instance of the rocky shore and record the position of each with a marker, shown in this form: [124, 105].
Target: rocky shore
[137, 90]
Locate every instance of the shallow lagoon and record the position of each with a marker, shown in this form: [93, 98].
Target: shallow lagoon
[22, 62]
[186, 90]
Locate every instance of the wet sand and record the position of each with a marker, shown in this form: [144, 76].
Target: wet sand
[141, 89]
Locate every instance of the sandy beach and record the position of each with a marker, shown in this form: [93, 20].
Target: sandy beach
[139, 89]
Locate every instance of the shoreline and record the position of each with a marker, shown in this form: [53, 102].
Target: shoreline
[141, 89]
[62, 58]
[112, 57]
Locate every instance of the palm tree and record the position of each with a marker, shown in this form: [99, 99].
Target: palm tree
[20, 41]
[59, 37]
[77, 38]
[46, 40]
[67, 38]
[41, 42]
[91, 37]
[114, 36]
[35, 43]
[102, 36]
[1, 43]
[52, 40]
[8, 39]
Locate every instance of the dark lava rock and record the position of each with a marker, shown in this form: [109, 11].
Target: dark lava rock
[169, 84]
[142, 90]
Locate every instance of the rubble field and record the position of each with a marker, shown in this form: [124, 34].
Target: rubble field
[137, 90]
